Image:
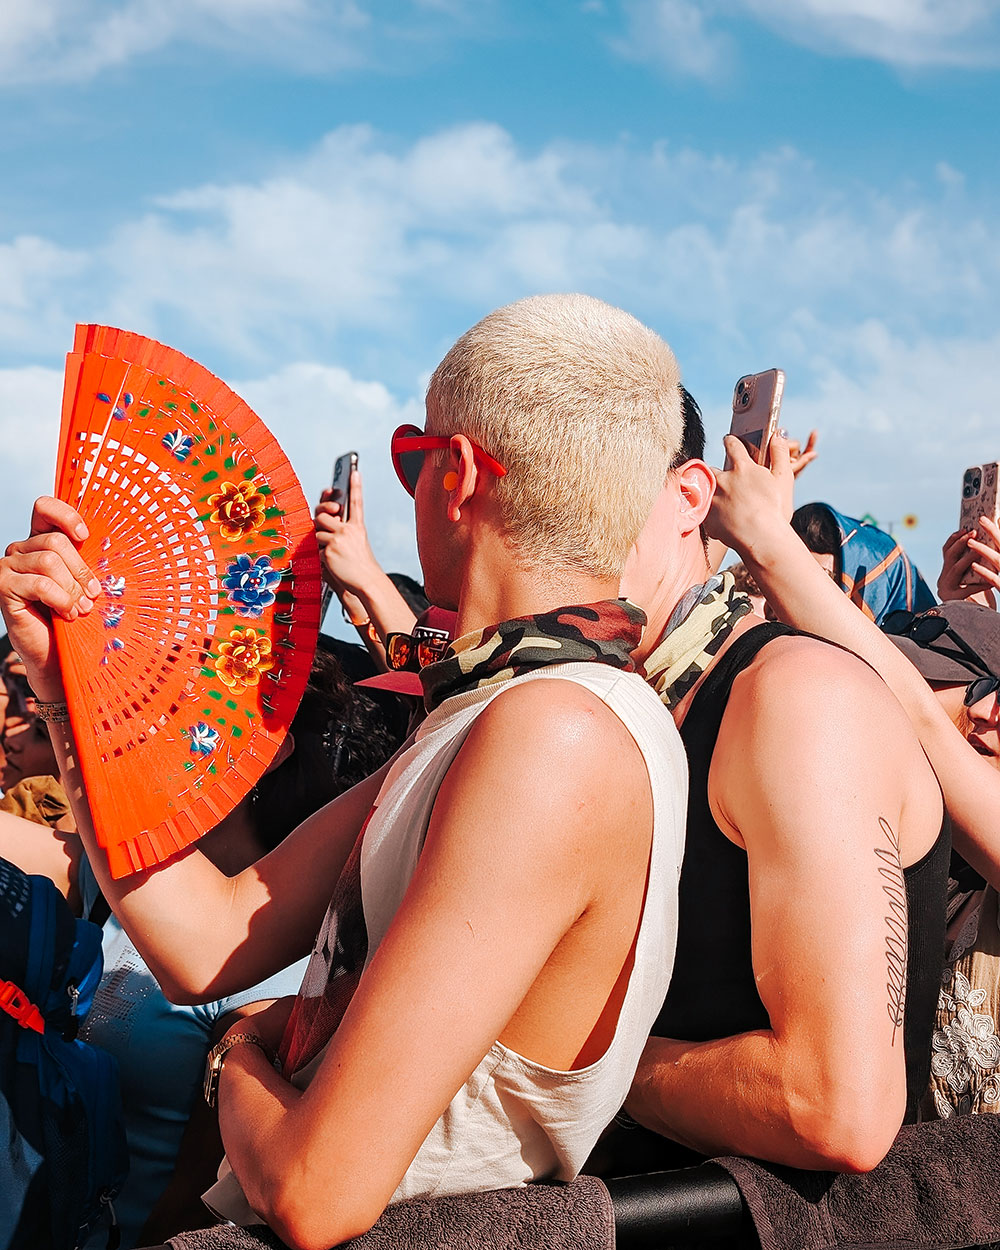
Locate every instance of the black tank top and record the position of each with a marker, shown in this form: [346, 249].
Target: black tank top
[713, 992]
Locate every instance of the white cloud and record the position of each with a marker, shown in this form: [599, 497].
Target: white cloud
[77, 40]
[693, 36]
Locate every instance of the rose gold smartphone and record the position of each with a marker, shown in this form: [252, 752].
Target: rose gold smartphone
[756, 404]
[980, 498]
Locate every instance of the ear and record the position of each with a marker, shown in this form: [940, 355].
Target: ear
[696, 486]
[462, 475]
[284, 752]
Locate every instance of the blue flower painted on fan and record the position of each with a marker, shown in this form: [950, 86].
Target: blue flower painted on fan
[250, 584]
[112, 617]
[119, 413]
[204, 739]
[113, 587]
[114, 644]
[178, 444]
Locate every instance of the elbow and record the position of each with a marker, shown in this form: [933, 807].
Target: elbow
[184, 990]
[305, 1224]
[849, 1134]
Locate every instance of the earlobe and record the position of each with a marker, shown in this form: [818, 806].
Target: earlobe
[697, 488]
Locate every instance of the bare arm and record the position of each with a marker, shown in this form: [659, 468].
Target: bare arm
[42, 851]
[350, 567]
[818, 812]
[203, 935]
[747, 514]
[513, 858]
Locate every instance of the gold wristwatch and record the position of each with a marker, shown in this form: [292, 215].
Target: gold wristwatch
[217, 1057]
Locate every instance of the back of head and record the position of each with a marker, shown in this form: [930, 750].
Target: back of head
[816, 525]
[581, 404]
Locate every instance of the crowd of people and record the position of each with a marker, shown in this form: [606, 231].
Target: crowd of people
[588, 857]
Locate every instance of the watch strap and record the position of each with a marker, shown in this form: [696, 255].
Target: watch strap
[217, 1056]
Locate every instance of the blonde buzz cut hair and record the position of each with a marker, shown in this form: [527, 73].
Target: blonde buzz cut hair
[581, 404]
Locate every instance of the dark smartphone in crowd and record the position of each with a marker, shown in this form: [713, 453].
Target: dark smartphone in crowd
[980, 498]
[343, 466]
[340, 489]
[756, 404]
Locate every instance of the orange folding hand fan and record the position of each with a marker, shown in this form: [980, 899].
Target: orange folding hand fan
[184, 679]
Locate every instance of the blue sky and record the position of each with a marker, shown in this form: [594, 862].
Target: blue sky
[315, 197]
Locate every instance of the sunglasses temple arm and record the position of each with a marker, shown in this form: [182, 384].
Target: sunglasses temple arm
[972, 655]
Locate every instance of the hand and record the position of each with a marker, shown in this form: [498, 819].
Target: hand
[348, 561]
[801, 456]
[42, 576]
[749, 498]
[964, 552]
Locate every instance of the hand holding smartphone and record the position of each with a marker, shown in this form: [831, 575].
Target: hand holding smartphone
[980, 498]
[756, 405]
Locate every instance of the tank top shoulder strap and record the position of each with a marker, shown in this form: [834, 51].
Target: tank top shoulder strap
[700, 726]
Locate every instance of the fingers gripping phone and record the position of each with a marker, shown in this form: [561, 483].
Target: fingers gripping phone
[340, 487]
[980, 498]
[756, 404]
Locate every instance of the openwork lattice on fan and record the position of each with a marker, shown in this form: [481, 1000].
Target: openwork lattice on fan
[183, 681]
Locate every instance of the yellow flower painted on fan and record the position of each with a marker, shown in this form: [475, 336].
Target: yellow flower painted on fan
[238, 509]
[242, 659]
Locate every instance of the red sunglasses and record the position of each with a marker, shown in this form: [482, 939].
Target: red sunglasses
[409, 444]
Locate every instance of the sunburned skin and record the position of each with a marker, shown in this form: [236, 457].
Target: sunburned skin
[894, 886]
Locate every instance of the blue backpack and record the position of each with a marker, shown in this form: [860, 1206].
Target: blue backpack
[63, 1156]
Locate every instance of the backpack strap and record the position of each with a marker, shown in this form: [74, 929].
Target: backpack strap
[17, 1004]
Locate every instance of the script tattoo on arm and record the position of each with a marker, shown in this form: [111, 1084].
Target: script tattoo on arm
[894, 886]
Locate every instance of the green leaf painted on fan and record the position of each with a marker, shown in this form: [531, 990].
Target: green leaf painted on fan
[194, 408]
[195, 462]
[210, 450]
[226, 612]
[209, 477]
[212, 427]
[273, 512]
[221, 720]
[278, 552]
[143, 412]
[213, 770]
[272, 533]
[263, 490]
[171, 406]
[251, 472]
[208, 672]
[188, 764]
[232, 705]
[214, 694]
[250, 715]
[236, 731]
[230, 463]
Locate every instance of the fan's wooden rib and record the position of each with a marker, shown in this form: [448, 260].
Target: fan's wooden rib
[169, 739]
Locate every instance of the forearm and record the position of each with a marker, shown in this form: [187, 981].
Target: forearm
[387, 610]
[154, 907]
[749, 1095]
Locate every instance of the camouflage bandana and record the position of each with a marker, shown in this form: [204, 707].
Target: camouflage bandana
[700, 624]
[605, 632]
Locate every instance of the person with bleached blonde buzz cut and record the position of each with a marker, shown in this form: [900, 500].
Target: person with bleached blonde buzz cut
[496, 912]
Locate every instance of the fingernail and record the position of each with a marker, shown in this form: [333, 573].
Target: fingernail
[93, 588]
[81, 530]
[84, 604]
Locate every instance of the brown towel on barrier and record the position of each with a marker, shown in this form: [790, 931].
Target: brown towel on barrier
[559, 1217]
[936, 1188]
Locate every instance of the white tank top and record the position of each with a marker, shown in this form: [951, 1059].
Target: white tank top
[514, 1120]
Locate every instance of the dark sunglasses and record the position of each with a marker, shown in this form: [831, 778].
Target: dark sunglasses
[926, 630]
[20, 694]
[409, 445]
[412, 652]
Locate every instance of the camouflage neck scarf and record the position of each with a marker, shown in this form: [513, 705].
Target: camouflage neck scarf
[605, 632]
[697, 628]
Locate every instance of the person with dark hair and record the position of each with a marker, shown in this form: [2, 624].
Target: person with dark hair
[866, 563]
[812, 815]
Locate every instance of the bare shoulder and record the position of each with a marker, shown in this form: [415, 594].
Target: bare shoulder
[553, 747]
[810, 726]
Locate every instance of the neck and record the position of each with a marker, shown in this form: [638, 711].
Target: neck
[691, 570]
[496, 587]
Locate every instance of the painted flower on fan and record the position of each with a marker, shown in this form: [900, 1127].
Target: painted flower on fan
[242, 659]
[178, 444]
[204, 739]
[238, 509]
[113, 587]
[250, 584]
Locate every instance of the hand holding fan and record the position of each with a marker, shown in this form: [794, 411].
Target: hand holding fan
[182, 682]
